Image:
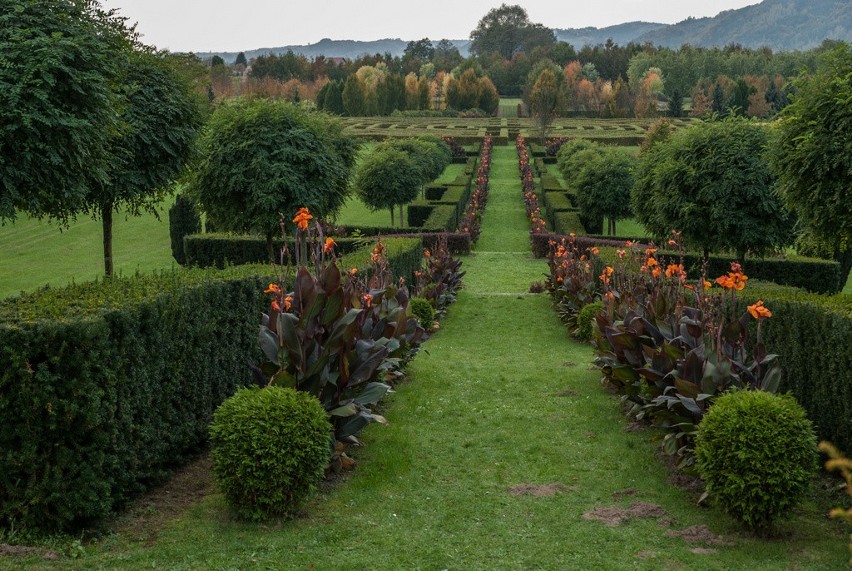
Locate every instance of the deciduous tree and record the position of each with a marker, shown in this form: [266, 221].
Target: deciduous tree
[507, 30]
[812, 154]
[264, 158]
[712, 183]
[603, 186]
[160, 118]
[59, 63]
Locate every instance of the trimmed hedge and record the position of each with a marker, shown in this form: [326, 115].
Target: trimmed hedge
[435, 191]
[105, 386]
[183, 220]
[418, 212]
[565, 222]
[219, 250]
[811, 335]
[813, 274]
[443, 216]
[558, 201]
[98, 404]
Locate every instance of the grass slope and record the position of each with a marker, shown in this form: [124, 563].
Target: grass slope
[501, 399]
[36, 252]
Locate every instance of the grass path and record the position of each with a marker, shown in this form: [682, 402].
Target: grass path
[499, 407]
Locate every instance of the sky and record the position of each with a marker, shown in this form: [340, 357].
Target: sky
[239, 25]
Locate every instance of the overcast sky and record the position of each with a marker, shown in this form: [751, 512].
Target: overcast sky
[237, 25]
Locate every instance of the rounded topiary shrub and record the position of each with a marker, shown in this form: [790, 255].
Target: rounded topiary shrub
[757, 454]
[586, 320]
[270, 449]
[423, 311]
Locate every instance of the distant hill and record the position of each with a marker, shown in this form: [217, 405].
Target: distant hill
[349, 49]
[621, 34]
[778, 24]
[782, 25]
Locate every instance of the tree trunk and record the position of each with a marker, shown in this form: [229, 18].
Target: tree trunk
[706, 253]
[106, 221]
[270, 251]
[741, 254]
[392, 222]
[401, 220]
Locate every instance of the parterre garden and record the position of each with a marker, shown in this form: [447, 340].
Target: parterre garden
[416, 343]
[335, 394]
[451, 481]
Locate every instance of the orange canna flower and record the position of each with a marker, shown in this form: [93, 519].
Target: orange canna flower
[651, 262]
[672, 243]
[329, 245]
[367, 300]
[649, 251]
[725, 282]
[273, 288]
[276, 306]
[674, 270]
[689, 287]
[571, 235]
[288, 303]
[758, 311]
[656, 272]
[707, 284]
[583, 257]
[353, 272]
[302, 218]
[621, 253]
[427, 253]
[595, 251]
[628, 243]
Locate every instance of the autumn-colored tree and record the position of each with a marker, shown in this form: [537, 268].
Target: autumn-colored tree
[547, 100]
[412, 91]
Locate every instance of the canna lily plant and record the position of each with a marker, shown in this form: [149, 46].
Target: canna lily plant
[670, 347]
[334, 337]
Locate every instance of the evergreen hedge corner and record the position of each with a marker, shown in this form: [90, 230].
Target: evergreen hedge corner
[98, 406]
[183, 220]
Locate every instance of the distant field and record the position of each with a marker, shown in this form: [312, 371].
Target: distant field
[35, 253]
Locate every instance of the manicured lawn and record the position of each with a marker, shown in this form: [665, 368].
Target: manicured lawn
[499, 442]
[35, 253]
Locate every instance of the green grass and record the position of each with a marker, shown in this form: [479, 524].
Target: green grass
[501, 398]
[37, 252]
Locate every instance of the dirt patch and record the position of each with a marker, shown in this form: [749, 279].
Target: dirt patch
[7, 550]
[634, 426]
[568, 393]
[569, 364]
[145, 516]
[704, 550]
[626, 492]
[698, 534]
[645, 509]
[610, 517]
[646, 555]
[614, 516]
[540, 490]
